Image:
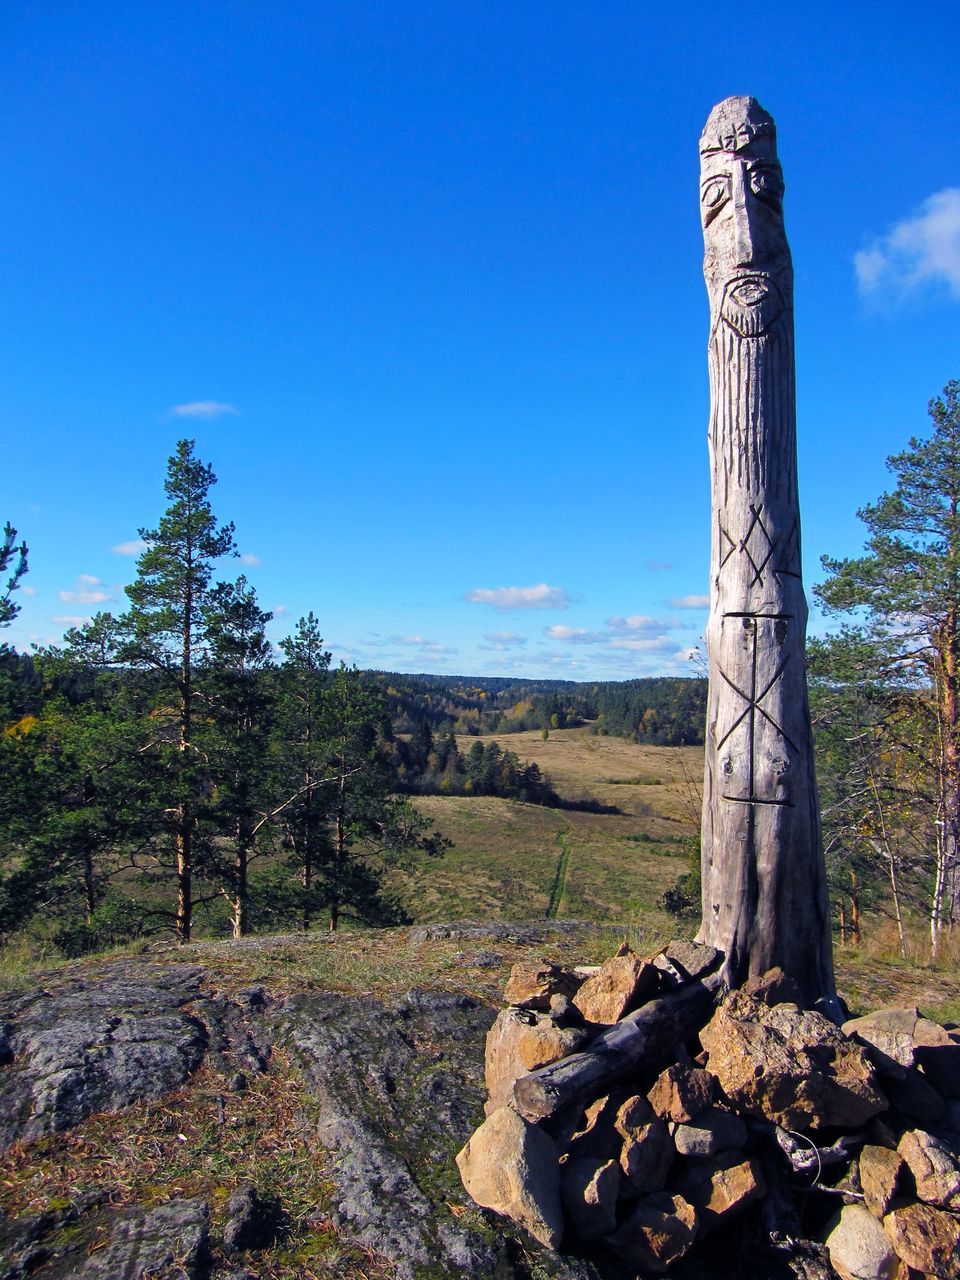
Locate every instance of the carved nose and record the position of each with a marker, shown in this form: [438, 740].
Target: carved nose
[743, 233]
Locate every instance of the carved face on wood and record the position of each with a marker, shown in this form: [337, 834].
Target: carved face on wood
[746, 259]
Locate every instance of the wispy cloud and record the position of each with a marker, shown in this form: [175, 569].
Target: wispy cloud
[421, 644]
[508, 599]
[635, 622]
[689, 602]
[658, 566]
[279, 610]
[132, 548]
[252, 560]
[575, 635]
[202, 409]
[647, 644]
[70, 619]
[27, 591]
[921, 249]
[88, 590]
[502, 640]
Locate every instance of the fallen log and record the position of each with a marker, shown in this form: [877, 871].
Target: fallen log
[642, 1039]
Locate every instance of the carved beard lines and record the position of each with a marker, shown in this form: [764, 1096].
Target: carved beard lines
[752, 410]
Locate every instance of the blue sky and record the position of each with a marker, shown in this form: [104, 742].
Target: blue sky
[424, 282]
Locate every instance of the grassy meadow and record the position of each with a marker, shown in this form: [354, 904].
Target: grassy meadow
[511, 860]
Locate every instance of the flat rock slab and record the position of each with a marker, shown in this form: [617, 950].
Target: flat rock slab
[96, 1042]
[173, 1238]
[400, 1090]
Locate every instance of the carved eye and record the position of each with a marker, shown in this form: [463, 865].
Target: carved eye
[715, 194]
[767, 183]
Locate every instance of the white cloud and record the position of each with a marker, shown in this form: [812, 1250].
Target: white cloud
[89, 590]
[501, 640]
[132, 548]
[202, 409]
[689, 602]
[658, 566]
[252, 560]
[69, 620]
[27, 591]
[575, 635]
[422, 644]
[921, 249]
[506, 599]
[279, 610]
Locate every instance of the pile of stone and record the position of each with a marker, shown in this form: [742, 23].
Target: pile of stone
[636, 1109]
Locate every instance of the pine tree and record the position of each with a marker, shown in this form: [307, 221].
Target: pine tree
[11, 555]
[241, 705]
[300, 749]
[165, 631]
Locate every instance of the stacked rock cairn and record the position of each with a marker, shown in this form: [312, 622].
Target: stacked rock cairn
[637, 1109]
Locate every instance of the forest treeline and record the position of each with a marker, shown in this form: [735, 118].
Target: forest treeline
[667, 711]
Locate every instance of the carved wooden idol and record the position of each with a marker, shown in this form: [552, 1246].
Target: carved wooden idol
[764, 888]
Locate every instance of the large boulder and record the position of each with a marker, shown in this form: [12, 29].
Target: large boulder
[620, 984]
[898, 1039]
[512, 1167]
[926, 1239]
[520, 1041]
[790, 1065]
[935, 1170]
[859, 1247]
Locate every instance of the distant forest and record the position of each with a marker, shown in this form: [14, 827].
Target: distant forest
[668, 711]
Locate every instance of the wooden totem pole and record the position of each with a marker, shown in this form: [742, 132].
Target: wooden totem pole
[764, 884]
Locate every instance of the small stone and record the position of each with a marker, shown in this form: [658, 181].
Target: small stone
[512, 1167]
[635, 1114]
[926, 1239]
[682, 961]
[647, 1156]
[722, 1188]
[519, 1041]
[533, 982]
[859, 1248]
[589, 1191]
[713, 1131]
[658, 1232]
[935, 1171]
[596, 1137]
[680, 1093]
[622, 983]
[253, 1221]
[773, 987]
[881, 1177]
[937, 1054]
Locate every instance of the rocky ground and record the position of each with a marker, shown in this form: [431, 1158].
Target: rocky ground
[268, 1109]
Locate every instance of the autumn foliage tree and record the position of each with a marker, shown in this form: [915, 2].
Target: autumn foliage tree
[903, 598]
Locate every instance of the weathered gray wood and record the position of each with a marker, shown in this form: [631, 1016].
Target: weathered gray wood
[642, 1039]
[764, 886]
